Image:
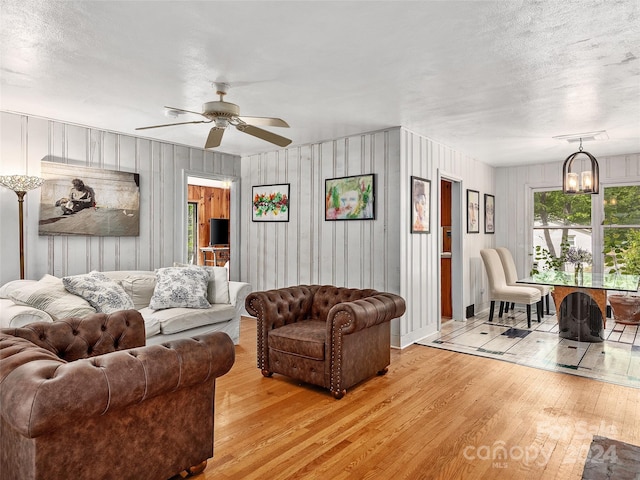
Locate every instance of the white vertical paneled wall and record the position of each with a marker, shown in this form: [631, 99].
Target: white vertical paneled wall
[515, 196]
[380, 254]
[27, 140]
[420, 256]
[308, 249]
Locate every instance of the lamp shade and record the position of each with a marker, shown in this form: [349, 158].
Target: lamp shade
[21, 183]
[587, 182]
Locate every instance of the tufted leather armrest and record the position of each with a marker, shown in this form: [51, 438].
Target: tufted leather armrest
[74, 338]
[46, 393]
[349, 317]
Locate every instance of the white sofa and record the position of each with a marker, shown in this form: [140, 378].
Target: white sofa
[27, 301]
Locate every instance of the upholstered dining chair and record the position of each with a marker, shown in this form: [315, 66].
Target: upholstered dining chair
[500, 291]
[511, 275]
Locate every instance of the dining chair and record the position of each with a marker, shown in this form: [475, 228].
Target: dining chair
[511, 275]
[500, 291]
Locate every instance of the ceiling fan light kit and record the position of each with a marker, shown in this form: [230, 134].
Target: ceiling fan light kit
[224, 114]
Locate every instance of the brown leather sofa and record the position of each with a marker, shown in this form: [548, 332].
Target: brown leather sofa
[84, 398]
[329, 336]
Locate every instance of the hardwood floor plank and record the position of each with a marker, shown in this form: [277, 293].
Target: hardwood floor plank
[435, 414]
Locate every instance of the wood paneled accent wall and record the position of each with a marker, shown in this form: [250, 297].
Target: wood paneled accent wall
[212, 203]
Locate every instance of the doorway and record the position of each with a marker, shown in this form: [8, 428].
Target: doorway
[214, 196]
[446, 304]
[450, 242]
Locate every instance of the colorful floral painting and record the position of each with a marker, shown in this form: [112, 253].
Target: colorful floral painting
[350, 198]
[271, 203]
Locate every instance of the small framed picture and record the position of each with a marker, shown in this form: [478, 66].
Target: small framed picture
[350, 198]
[489, 213]
[270, 203]
[420, 205]
[473, 209]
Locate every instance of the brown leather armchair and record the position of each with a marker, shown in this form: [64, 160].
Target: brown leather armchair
[83, 398]
[329, 336]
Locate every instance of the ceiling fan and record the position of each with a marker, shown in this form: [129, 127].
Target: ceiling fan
[223, 114]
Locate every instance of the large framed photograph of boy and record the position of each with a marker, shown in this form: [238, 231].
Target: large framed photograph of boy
[77, 200]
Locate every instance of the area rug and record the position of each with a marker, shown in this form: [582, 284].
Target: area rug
[611, 459]
[616, 360]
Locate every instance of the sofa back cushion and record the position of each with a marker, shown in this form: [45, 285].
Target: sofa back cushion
[326, 296]
[140, 288]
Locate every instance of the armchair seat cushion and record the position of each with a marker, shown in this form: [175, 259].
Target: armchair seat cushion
[305, 339]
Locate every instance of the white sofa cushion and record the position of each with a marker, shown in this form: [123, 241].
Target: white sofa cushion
[104, 294]
[14, 315]
[140, 288]
[151, 326]
[218, 286]
[180, 287]
[178, 319]
[9, 287]
[49, 294]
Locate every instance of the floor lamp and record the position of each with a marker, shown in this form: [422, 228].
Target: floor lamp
[21, 184]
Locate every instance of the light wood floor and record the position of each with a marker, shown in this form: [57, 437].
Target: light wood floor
[436, 414]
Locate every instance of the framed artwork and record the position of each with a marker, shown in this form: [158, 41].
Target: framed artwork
[473, 207]
[420, 205]
[489, 213]
[350, 198]
[270, 203]
[77, 200]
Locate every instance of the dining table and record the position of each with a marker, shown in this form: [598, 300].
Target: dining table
[581, 301]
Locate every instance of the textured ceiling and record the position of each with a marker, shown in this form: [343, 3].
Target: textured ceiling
[495, 80]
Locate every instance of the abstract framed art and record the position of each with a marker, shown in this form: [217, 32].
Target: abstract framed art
[420, 205]
[473, 208]
[350, 198]
[270, 203]
[489, 213]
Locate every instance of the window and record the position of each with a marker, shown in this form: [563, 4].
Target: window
[559, 220]
[192, 233]
[621, 223]
[613, 222]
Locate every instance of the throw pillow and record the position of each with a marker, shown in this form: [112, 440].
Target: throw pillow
[48, 294]
[218, 285]
[180, 287]
[104, 294]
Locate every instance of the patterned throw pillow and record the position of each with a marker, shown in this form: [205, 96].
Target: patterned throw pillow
[104, 294]
[180, 287]
[48, 294]
[218, 286]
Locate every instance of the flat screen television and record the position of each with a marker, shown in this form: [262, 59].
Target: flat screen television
[218, 231]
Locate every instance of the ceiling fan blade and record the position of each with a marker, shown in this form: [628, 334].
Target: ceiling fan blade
[215, 137]
[265, 121]
[264, 135]
[183, 110]
[171, 124]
